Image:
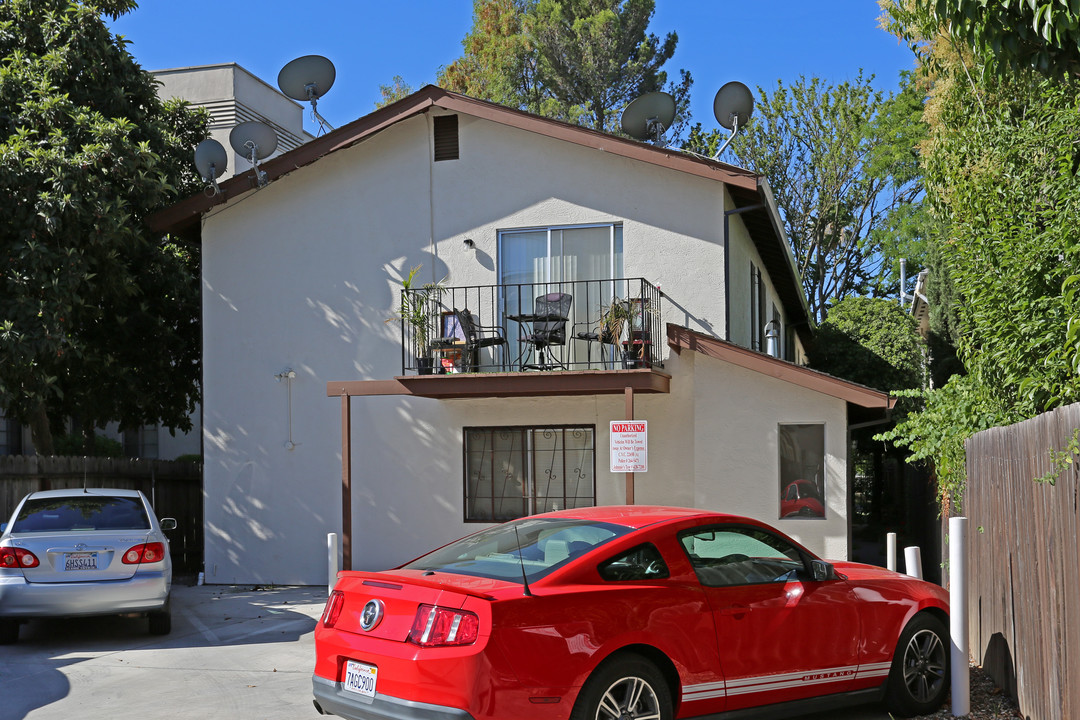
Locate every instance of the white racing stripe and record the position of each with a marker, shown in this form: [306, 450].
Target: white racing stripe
[784, 681]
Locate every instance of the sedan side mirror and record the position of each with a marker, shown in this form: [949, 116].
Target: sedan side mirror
[168, 523]
[822, 570]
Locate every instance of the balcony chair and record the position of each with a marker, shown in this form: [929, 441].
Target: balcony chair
[550, 314]
[473, 337]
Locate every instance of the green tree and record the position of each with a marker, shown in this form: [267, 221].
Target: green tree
[598, 55]
[1001, 167]
[871, 341]
[1043, 35]
[576, 60]
[500, 62]
[98, 316]
[396, 90]
[841, 163]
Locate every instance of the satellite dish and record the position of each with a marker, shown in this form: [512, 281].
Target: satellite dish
[647, 117]
[253, 139]
[211, 160]
[733, 105]
[307, 78]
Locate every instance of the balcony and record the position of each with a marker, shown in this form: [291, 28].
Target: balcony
[599, 325]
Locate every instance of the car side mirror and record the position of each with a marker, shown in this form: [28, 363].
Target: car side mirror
[822, 570]
[168, 523]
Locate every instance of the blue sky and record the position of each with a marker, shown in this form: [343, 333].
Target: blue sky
[756, 43]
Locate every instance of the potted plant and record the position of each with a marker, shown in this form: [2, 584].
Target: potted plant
[613, 320]
[415, 309]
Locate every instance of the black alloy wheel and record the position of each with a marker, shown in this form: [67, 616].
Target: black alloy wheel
[625, 688]
[919, 678]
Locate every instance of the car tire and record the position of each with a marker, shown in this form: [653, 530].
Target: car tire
[919, 678]
[9, 631]
[161, 621]
[628, 685]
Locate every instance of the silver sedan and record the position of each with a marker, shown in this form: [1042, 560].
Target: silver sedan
[81, 552]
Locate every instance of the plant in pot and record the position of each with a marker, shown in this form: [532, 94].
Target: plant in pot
[416, 309]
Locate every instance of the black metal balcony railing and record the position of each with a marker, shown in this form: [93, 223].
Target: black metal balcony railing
[602, 325]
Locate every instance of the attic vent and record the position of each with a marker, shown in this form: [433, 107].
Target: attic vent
[446, 137]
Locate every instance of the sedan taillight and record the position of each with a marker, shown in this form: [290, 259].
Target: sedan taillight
[334, 603]
[145, 553]
[438, 626]
[17, 558]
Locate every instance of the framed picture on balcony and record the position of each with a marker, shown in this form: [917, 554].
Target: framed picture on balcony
[451, 327]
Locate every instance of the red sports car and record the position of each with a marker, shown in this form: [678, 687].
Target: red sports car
[612, 613]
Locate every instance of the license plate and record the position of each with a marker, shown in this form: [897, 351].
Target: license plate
[360, 678]
[80, 561]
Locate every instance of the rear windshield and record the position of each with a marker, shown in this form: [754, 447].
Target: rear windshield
[532, 547]
[85, 512]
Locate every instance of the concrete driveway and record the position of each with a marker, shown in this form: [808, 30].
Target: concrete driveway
[234, 652]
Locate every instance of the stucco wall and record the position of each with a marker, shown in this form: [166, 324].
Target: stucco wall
[302, 275]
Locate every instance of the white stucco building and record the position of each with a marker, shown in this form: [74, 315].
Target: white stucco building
[314, 414]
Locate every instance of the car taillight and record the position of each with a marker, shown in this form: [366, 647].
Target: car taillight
[17, 558]
[438, 626]
[145, 553]
[334, 603]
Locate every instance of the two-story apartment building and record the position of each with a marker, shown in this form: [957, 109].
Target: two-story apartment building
[319, 414]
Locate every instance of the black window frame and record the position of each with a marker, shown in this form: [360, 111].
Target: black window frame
[528, 460]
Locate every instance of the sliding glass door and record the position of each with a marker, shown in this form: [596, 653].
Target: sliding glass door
[581, 260]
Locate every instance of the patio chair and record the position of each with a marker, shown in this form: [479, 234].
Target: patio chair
[550, 314]
[473, 337]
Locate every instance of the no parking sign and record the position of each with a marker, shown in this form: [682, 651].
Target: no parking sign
[629, 446]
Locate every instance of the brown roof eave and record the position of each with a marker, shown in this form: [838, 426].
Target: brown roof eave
[680, 338]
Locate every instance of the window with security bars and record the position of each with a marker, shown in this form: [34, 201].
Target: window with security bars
[511, 472]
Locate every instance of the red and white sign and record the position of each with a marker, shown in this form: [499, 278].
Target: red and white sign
[629, 446]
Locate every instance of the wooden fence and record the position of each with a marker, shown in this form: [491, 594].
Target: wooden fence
[174, 490]
[1024, 561]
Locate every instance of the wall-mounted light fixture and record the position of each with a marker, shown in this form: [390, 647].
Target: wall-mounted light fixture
[470, 244]
[288, 375]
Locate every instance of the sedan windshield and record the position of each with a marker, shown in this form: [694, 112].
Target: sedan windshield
[532, 547]
[84, 512]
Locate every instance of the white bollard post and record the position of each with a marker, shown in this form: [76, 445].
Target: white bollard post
[890, 551]
[958, 625]
[332, 553]
[913, 561]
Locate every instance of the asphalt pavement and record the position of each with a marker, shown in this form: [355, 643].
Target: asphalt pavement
[244, 652]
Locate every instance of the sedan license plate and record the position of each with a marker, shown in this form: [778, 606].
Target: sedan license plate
[80, 561]
[360, 678]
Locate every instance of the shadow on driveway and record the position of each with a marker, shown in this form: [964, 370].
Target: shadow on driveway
[246, 650]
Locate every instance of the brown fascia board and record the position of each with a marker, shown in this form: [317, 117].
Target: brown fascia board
[180, 217]
[680, 338]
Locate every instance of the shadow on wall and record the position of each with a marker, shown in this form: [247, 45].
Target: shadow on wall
[998, 662]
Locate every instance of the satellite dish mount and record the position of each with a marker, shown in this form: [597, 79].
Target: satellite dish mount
[255, 141]
[307, 79]
[732, 106]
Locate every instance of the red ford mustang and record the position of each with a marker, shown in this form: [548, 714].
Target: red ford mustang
[613, 613]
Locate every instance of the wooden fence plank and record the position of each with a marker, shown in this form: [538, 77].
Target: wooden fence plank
[1024, 621]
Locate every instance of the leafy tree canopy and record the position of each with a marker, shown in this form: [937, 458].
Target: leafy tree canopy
[871, 341]
[98, 317]
[1009, 35]
[576, 60]
[1001, 167]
